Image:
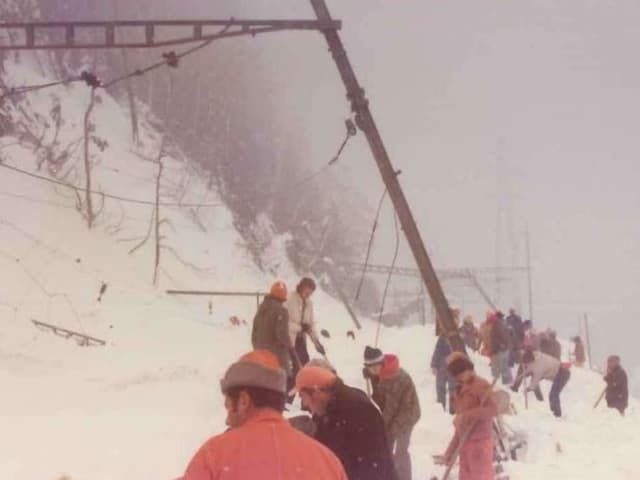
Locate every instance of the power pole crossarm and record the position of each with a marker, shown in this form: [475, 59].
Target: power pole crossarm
[366, 123]
[110, 34]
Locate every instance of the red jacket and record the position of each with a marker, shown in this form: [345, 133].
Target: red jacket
[266, 447]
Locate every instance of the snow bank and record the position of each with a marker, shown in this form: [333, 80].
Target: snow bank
[139, 407]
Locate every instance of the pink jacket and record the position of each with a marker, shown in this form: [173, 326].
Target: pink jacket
[472, 413]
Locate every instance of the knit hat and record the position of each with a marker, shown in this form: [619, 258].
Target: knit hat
[315, 378]
[279, 291]
[457, 363]
[259, 368]
[372, 356]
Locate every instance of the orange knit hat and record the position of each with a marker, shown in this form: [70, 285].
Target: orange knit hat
[315, 378]
[279, 291]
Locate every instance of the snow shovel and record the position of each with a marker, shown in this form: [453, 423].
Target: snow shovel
[600, 398]
[466, 434]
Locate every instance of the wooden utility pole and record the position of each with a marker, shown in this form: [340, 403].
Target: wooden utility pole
[530, 287]
[366, 123]
[588, 339]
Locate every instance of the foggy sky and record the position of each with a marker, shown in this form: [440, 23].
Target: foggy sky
[530, 105]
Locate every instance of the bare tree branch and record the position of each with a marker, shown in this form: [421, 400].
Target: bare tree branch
[87, 161]
[157, 210]
[147, 236]
[183, 261]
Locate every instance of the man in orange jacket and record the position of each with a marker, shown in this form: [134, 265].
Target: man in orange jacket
[260, 443]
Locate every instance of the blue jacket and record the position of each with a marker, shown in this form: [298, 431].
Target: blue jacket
[441, 352]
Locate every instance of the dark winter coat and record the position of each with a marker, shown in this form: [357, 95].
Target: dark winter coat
[440, 353]
[353, 430]
[516, 325]
[374, 381]
[500, 338]
[400, 405]
[617, 389]
[271, 330]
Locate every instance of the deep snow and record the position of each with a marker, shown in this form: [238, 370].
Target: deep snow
[139, 407]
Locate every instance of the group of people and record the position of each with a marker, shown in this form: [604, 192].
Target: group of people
[353, 435]
[511, 341]
[284, 322]
[349, 435]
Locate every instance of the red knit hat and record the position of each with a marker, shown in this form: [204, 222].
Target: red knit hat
[315, 378]
[259, 368]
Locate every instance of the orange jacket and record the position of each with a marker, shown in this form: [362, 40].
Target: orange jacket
[266, 447]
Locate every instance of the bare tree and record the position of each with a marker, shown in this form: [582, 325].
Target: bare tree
[158, 221]
[88, 128]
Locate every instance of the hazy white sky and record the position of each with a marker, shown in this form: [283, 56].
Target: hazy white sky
[539, 97]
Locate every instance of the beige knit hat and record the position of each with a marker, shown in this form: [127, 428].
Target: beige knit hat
[259, 368]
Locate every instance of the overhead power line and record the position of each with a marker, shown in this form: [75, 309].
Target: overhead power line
[109, 195]
[170, 59]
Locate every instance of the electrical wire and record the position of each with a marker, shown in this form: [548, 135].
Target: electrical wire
[37, 200]
[386, 287]
[109, 195]
[351, 132]
[170, 59]
[32, 88]
[370, 244]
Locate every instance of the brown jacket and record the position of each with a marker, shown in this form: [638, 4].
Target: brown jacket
[475, 409]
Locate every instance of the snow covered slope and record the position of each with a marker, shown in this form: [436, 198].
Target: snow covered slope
[140, 406]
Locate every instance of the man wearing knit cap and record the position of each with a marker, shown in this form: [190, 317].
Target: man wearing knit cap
[271, 327]
[475, 409]
[260, 443]
[347, 423]
[373, 356]
[399, 405]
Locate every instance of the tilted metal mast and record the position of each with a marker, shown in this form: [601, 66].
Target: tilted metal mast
[234, 28]
[366, 123]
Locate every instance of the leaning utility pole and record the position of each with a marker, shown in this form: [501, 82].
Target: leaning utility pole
[364, 120]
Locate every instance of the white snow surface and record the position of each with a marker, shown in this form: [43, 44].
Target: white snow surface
[139, 407]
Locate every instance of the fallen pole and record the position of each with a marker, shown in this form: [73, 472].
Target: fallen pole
[85, 340]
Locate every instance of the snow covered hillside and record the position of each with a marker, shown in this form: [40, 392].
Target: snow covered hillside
[138, 407]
